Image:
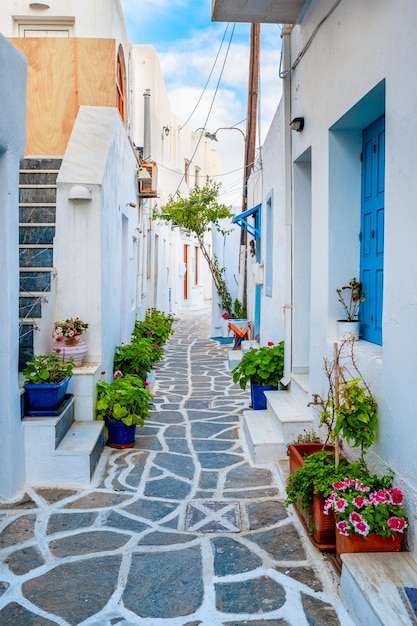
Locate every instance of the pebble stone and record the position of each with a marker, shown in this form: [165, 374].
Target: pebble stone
[181, 530]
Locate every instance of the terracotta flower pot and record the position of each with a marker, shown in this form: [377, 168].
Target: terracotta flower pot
[319, 527]
[370, 543]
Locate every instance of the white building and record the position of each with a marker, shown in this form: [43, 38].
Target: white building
[347, 70]
[87, 242]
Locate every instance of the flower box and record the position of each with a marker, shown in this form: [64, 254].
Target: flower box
[319, 527]
[46, 396]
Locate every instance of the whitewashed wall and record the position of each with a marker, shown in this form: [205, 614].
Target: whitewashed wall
[359, 65]
[13, 72]
[164, 287]
[96, 244]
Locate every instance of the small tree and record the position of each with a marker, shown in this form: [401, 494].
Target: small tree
[199, 214]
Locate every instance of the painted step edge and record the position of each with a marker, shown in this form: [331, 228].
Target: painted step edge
[263, 440]
[370, 584]
[80, 438]
[286, 407]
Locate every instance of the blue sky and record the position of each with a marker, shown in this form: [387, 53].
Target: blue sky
[187, 43]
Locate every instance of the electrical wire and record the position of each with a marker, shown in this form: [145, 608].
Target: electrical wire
[208, 79]
[212, 102]
[284, 73]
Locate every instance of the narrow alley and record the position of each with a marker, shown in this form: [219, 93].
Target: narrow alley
[180, 530]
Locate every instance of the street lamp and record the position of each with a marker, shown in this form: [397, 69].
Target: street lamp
[213, 136]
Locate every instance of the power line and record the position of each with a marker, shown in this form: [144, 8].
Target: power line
[208, 79]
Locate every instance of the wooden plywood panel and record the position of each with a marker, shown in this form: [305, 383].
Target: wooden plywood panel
[62, 75]
[51, 94]
[97, 72]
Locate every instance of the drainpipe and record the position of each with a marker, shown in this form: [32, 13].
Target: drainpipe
[147, 291]
[286, 51]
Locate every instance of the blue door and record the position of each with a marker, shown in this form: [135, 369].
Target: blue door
[372, 229]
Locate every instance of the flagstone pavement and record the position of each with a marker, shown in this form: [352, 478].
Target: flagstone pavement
[181, 530]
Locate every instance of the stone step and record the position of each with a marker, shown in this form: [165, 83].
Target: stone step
[264, 442]
[60, 451]
[289, 416]
[372, 587]
[249, 344]
[234, 358]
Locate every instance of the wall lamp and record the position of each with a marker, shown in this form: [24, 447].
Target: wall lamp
[79, 192]
[297, 124]
[213, 136]
[166, 130]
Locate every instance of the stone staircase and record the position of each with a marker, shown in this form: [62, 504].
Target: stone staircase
[37, 209]
[61, 450]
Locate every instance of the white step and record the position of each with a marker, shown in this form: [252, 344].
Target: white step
[249, 344]
[372, 584]
[290, 417]
[264, 442]
[60, 451]
[234, 357]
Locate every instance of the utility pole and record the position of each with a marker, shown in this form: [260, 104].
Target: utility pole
[250, 143]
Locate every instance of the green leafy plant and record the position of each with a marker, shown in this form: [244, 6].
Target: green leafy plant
[261, 366]
[360, 509]
[135, 358]
[239, 309]
[318, 474]
[355, 297]
[349, 410]
[156, 328]
[199, 213]
[124, 399]
[48, 368]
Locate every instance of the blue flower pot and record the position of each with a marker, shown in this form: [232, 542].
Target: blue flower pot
[257, 396]
[120, 435]
[45, 396]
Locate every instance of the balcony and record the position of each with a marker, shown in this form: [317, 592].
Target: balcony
[258, 11]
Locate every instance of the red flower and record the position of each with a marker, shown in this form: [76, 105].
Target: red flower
[58, 339]
[397, 523]
[271, 343]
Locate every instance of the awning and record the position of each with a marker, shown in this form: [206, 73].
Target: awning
[240, 220]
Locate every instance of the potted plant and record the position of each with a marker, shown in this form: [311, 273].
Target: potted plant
[122, 404]
[368, 519]
[46, 381]
[350, 297]
[263, 368]
[135, 358]
[348, 412]
[68, 333]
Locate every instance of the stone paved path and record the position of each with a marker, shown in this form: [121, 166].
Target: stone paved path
[179, 531]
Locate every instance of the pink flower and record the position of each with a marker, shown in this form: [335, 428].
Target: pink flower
[340, 505]
[380, 496]
[340, 485]
[362, 528]
[397, 496]
[397, 523]
[360, 501]
[355, 518]
[59, 350]
[117, 374]
[342, 527]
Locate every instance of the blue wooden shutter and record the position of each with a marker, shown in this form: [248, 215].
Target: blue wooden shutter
[372, 229]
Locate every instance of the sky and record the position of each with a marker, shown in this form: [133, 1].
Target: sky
[192, 56]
